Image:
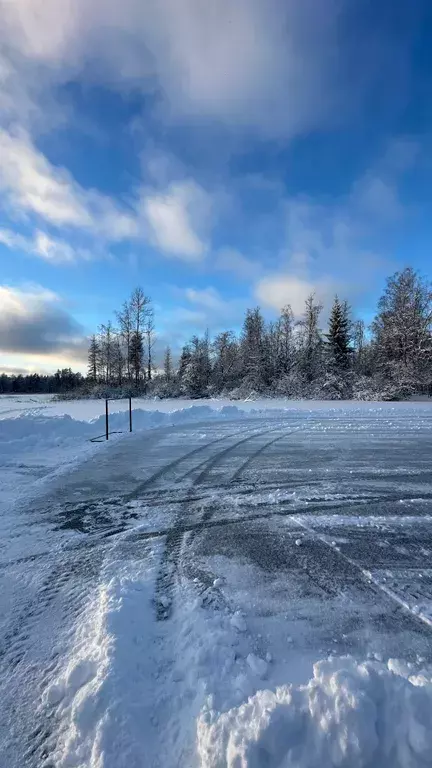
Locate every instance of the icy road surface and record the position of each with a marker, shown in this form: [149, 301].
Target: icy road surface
[150, 592]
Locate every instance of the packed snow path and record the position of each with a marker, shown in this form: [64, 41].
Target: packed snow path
[311, 532]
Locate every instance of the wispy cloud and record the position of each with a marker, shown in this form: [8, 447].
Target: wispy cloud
[32, 185]
[43, 246]
[177, 219]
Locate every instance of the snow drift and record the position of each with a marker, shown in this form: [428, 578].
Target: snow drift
[350, 715]
[33, 427]
[137, 693]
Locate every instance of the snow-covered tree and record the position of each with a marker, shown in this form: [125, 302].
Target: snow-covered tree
[359, 345]
[93, 355]
[117, 360]
[226, 361]
[124, 318]
[402, 331]
[252, 349]
[106, 352]
[168, 365]
[195, 376]
[338, 344]
[136, 355]
[285, 347]
[150, 339]
[310, 341]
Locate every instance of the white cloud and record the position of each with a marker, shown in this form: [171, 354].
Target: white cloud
[33, 186]
[15, 241]
[176, 218]
[50, 249]
[277, 290]
[255, 63]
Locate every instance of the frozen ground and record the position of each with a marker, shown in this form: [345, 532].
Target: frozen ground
[224, 591]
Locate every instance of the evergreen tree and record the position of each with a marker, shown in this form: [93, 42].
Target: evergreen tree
[93, 355]
[339, 338]
[185, 358]
[226, 361]
[196, 376]
[168, 364]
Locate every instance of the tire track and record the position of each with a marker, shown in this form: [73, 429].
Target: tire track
[210, 464]
[29, 663]
[173, 464]
[168, 569]
[238, 473]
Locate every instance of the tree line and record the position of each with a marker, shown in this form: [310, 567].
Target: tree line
[64, 380]
[288, 357]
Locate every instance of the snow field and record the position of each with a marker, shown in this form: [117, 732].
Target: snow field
[273, 653]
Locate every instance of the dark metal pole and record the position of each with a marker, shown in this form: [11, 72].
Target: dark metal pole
[106, 419]
[130, 414]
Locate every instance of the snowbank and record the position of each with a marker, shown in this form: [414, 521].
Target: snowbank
[39, 427]
[350, 715]
[139, 692]
[35, 446]
[132, 690]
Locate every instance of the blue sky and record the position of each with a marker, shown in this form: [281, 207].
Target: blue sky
[219, 153]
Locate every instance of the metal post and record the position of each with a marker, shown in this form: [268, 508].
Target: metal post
[106, 419]
[130, 414]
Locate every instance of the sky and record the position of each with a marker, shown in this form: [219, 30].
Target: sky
[221, 154]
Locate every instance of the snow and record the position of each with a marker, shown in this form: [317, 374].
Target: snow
[349, 714]
[238, 622]
[156, 607]
[257, 665]
[46, 441]
[135, 693]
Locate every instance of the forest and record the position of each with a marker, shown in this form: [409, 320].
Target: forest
[389, 359]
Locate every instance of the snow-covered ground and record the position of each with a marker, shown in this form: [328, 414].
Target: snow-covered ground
[223, 589]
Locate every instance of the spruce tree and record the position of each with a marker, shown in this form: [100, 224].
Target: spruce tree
[339, 337]
[93, 356]
[168, 364]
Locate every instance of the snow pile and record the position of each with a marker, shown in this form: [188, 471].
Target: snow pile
[349, 715]
[37, 427]
[132, 689]
[139, 692]
[104, 695]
